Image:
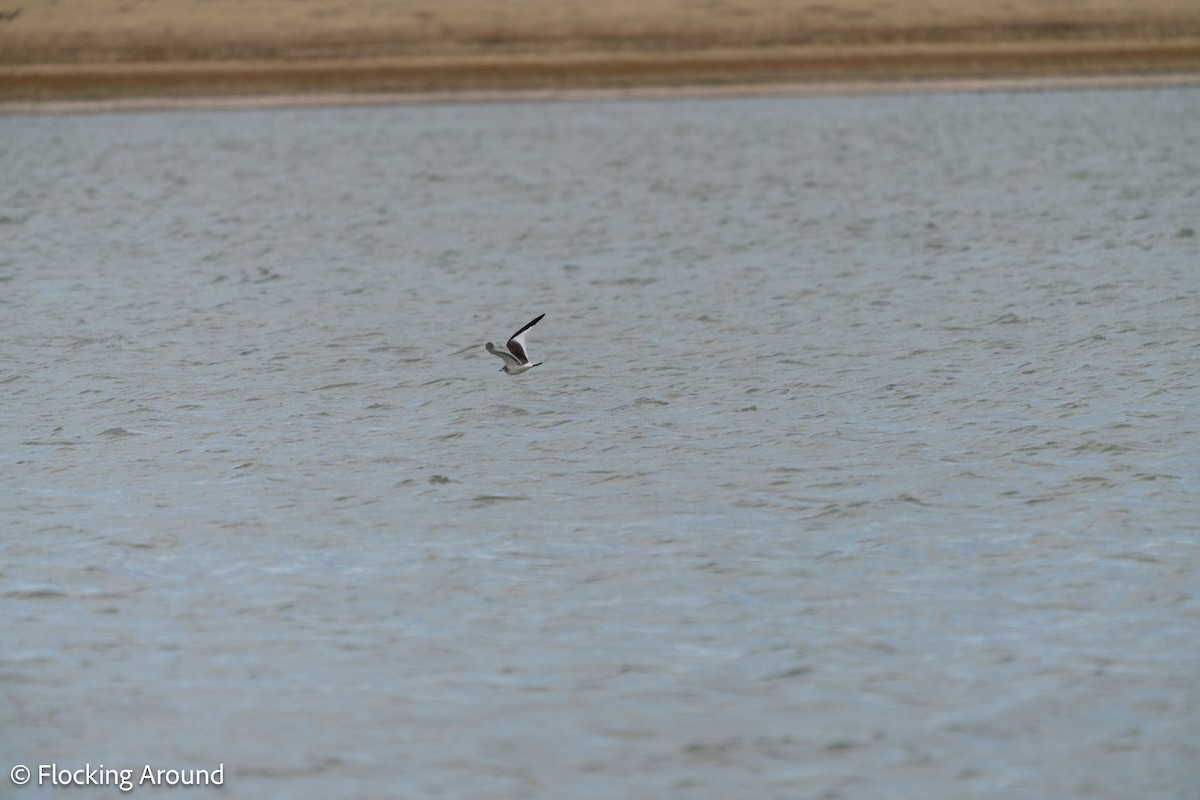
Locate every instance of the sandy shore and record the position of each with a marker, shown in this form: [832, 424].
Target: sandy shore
[435, 97]
[110, 50]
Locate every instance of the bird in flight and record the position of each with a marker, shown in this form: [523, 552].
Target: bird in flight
[515, 360]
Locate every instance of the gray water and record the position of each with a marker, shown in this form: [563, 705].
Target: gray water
[864, 461]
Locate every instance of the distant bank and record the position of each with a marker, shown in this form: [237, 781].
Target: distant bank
[108, 50]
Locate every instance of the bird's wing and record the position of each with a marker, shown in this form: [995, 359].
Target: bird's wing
[516, 344]
[508, 358]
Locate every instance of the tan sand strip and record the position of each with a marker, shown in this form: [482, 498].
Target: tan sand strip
[957, 60]
[797, 89]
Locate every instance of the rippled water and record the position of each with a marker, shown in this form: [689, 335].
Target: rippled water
[864, 461]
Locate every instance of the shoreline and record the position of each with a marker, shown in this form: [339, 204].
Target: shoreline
[113, 54]
[54, 88]
[612, 94]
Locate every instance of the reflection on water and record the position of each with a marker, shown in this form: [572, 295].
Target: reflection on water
[862, 462]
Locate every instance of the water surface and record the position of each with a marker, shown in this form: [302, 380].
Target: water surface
[863, 462]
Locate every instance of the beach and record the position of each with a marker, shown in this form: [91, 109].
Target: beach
[112, 49]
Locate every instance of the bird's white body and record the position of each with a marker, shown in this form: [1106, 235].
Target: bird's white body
[515, 360]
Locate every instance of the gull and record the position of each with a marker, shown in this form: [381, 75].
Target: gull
[515, 360]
